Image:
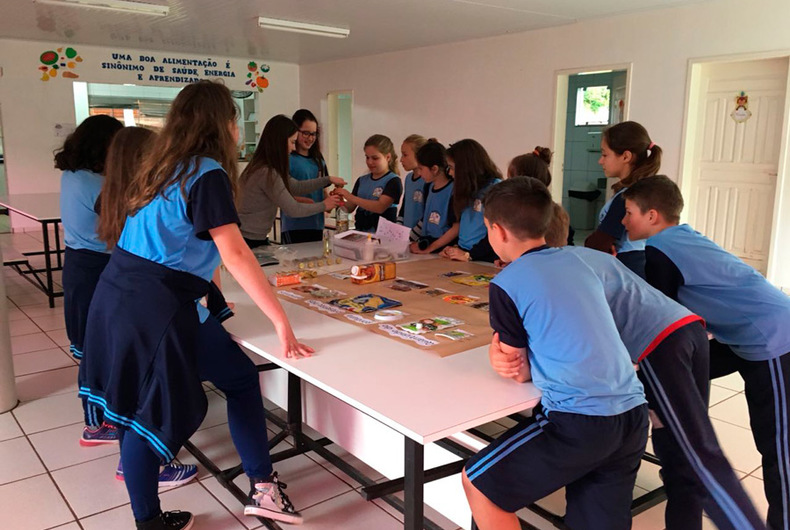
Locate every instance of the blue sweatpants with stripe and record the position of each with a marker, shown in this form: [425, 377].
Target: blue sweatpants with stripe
[767, 385]
[595, 458]
[222, 362]
[81, 271]
[696, 473]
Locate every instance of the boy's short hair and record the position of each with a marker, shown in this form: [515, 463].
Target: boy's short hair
[559, 226]
[657, 193]
[522, 205]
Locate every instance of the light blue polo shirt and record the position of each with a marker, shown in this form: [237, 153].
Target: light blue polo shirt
[740, 307]
[79, 191]
[551, 302]
[173, 231]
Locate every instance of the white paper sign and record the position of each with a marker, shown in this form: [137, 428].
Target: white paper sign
[389, 231]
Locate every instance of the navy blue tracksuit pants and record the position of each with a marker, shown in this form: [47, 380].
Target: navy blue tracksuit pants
[696, 473]
[766, 386]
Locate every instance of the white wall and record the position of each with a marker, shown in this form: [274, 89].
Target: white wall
[31, 107]
[500, 90]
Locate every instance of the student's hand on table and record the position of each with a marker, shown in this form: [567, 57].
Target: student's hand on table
[337, 181]
[456, 254]
[295, 349]
[507, 365]
[304, 200]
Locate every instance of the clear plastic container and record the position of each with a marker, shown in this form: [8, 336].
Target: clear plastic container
[362, 246]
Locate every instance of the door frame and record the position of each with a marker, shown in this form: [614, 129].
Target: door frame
[558, 128]
[330, 124]
[685, 180]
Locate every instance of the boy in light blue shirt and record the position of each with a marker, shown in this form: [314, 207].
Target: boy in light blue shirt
[590, 429]
[748, 317]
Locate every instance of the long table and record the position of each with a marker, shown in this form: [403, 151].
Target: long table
[43, 208]
[383, 401]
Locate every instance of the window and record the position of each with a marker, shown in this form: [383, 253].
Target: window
[592, 105]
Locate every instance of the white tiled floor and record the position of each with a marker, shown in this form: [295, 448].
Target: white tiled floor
[41, 460]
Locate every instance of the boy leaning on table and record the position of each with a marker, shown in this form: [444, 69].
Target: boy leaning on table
[748, 317]
[590, 429]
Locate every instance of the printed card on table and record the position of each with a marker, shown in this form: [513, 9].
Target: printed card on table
[430, 324]
[475, 280]
[460, 299]
[365, 303]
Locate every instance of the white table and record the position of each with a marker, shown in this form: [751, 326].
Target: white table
[45, 209]
[359, 381]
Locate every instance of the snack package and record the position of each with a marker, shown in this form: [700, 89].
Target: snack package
[281, 279]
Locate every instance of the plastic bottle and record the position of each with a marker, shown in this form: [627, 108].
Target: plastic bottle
[341, 219]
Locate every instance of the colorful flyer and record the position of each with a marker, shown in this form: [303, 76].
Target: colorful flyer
[460, 299]
[365, 303]
[437, 292]
[396, 332]
[430, 324]
[455, 334]
[452, 274]
[475, 280]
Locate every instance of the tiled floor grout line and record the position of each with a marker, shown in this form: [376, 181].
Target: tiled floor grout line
[241, 521]
[48, 472]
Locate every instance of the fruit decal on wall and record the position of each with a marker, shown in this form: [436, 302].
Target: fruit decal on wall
[256, 77]
[62, 60]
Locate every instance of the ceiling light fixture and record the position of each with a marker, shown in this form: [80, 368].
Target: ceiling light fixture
[303, 27]
[124, 6]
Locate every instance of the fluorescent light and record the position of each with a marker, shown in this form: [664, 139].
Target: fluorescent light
[125, 6]
[303, 27]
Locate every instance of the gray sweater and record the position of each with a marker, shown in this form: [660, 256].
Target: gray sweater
[264, 192]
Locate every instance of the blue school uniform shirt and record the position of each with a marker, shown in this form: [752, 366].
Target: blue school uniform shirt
[740, 307]
[79, 191]
[366, 187]
[413, 199]
[561, 316]
[438, 216]
[473, 228]
[174, 231]
[643, 315]
[611, 222]
[305, 168]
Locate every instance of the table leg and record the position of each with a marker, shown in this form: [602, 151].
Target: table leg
[414, 480]
[48, 264]
[58, 252]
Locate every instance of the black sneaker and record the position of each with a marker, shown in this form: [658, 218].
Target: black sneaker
[269, 500]
[175, 520]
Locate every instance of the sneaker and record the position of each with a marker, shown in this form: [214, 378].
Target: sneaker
[103, 434]
[170, 475]
[270, 501]
[175, 520]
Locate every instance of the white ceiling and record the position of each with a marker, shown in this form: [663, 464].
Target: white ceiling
[228, 28]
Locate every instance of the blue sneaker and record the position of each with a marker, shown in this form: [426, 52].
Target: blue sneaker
[103, 434]
[170, 475]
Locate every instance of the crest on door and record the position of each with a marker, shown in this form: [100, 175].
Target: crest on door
[741, 112]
